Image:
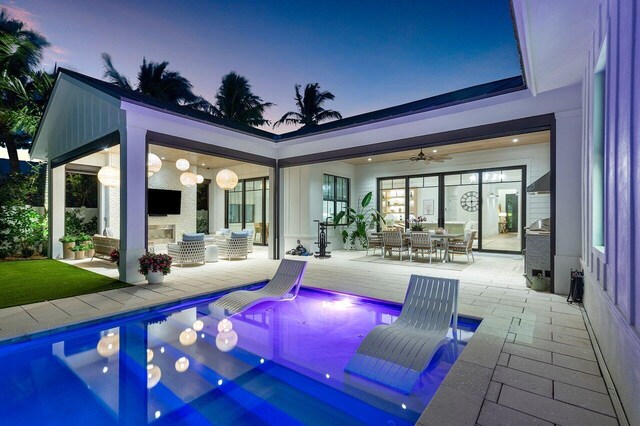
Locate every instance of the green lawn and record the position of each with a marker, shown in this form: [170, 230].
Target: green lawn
[30, 281]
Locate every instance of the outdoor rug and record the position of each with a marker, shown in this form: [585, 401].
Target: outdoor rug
[458, 264]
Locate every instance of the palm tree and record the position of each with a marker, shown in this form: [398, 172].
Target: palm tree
[235, 101]
[154, 79]
[20, 55]
[310, 111]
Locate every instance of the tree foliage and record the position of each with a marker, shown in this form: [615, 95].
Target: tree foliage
[310, 107]
[236, 101]
[156, 80]
[23, 89]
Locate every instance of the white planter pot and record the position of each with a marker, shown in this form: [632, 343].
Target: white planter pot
[155, 277]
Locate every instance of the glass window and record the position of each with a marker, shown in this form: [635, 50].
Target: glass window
[416, 182]
[452, 180]
[597, 164]
[335, 196]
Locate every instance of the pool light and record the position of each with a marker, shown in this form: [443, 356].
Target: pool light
[105, 369]
[327, 376]
[220, 382]
[157, 414]
[161, 349]
[404, 406]
[261, 360]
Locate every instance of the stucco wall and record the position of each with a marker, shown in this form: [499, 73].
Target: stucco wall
[613, 294]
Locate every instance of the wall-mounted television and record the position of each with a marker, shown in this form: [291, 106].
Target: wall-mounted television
[162, 202]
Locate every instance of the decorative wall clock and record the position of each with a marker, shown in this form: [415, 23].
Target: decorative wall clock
[470, 201]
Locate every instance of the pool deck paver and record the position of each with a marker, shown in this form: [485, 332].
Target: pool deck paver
[531, 361]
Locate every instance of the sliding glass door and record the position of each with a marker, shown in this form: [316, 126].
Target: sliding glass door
[246, 207]
[502, 221]
[488, 201]
[462, 203]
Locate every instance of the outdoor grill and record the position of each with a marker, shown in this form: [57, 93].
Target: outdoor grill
[537, 255]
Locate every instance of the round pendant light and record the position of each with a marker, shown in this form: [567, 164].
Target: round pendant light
[109, 176]
[188, 179]
[109, 345]
[182, 164]
[154, 163]
[188, 337]
[227, 179]
[200, 178]
[182, 364]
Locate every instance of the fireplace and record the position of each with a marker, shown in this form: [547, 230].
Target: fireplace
[162, 234]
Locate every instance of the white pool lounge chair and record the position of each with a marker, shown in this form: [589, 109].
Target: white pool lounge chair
[395, 355]
[286, 281]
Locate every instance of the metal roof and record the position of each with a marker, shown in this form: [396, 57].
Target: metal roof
[468, 94]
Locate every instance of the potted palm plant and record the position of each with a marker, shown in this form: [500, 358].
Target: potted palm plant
[155, 266]
[358, 222]
[68, 242]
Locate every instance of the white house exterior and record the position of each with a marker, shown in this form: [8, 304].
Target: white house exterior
[559, 56]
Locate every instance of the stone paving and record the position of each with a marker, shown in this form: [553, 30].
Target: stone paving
[530, 362]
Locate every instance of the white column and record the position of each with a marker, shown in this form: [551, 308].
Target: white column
[133, 182]
[56, 207]
[568, 226]
[277, 200]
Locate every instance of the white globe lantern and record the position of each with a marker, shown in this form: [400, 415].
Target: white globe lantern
[182, 164]
[188, 337]
[109, 176]
[154, 164]
[200, 178]
[227, 179]
[226, 341]
[149, 355]
[153, 375]
[188, 179]
[108, 345]
[182, 364]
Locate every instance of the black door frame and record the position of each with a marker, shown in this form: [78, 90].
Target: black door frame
[441, 198]
[264, 179]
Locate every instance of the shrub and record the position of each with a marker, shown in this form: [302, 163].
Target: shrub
[22, 230]
[75, 224]
[67, 239]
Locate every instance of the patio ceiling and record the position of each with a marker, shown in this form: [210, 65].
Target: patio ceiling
[200, 160]
[458, 148]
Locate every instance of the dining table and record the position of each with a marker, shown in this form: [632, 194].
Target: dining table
[444, 238]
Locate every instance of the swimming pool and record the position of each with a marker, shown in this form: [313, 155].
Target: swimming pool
[277, 363]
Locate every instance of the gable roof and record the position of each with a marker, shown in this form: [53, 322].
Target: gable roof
[468, 94]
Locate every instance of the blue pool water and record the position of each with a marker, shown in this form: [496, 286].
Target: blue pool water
[277, 363]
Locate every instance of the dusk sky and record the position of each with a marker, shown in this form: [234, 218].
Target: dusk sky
[371, 54]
